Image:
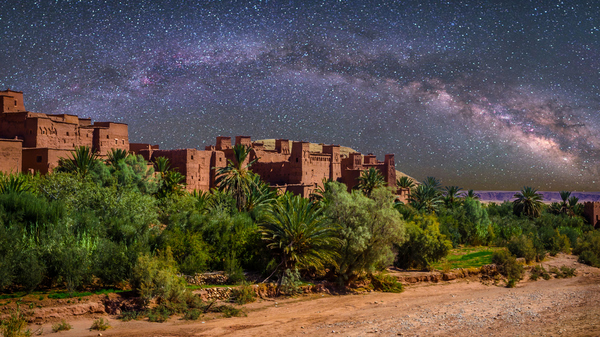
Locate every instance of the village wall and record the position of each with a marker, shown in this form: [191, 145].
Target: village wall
[11, 155]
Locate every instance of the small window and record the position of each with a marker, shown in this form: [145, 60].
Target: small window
[116, 142]
[15, 102]
[38, 159]
[192, 159]
[296, 160]
[67, 133]
[31, 132]
[107, 137]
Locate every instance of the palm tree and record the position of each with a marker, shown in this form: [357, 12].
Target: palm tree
[14, 183]
[171, 181]
[81, 162]
[298, 233]
[451, 195]
[260, 196]
[115, 156]
[236, 177]
[564, 205]
[471, 194]
[369, 180]
[425, 198]
[162, 165]
[405, 182]
[528, 202]
[433, 183]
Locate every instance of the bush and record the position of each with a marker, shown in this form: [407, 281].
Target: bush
[368, 230]
[537, 272]
[563, 272]
[291, 282]
[588, 248]
[424, 245]
[508, 266]
[156, 277]
[127, 316]
[192, 315]
[62, 326]
[522, 246]
[15, 325]
[243, 294]
[159, 314]
[385, 283]
[589, 258]
[100, 324]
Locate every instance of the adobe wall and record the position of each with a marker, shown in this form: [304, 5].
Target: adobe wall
[192, 163]
[591, 211]
[108, 135]
[11, 101]
[10, 155]
[43, 160]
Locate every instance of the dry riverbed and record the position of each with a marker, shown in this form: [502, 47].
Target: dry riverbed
[462, 307]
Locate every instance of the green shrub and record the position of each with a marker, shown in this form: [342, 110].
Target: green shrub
[291, 282]
[156, 277]
[100, 324]
[568, 272]
[589, 258]
[243, 294]
[368, 230]
[15, 325]
[159, 314]
[192, 315]
[588, 248]
[508, 266]
[424, 245]
[385, 283]
[229, 311]
[127, 316]
[522, 246]
[539, 271]
[62, 326]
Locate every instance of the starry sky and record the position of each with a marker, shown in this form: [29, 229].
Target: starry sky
[480, 94]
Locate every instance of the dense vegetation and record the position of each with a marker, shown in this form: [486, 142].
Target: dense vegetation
[123, 223]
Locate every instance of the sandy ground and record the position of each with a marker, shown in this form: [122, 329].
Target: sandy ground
[557, 307]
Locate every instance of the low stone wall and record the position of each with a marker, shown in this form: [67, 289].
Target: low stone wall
[218, 277]
[484, 271]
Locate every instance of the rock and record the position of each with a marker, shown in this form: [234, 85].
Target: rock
[448, 276]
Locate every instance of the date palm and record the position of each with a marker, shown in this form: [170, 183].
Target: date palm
[81, 161]
[528, 202]
[14, 183]
[237, 177]
[298, 233]
[405, 182]
[115, 156]
[369, 180]
[451, 195]
[425, 198]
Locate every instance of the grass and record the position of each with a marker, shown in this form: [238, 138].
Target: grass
[62, 326]
[466, 257]
[100, 324]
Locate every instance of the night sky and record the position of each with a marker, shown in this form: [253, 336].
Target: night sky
[481, 94]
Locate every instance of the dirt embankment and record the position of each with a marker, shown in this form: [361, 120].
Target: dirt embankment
[459, 307]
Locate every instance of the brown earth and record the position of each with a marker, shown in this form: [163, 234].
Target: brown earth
[460, 307]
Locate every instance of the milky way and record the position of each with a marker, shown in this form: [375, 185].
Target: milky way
[481, 94]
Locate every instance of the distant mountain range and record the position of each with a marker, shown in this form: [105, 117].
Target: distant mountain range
[549, 196]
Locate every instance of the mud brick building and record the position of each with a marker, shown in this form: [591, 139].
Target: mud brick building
[591, 211]
[34, 142]
[291, 166]
[45, 138]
